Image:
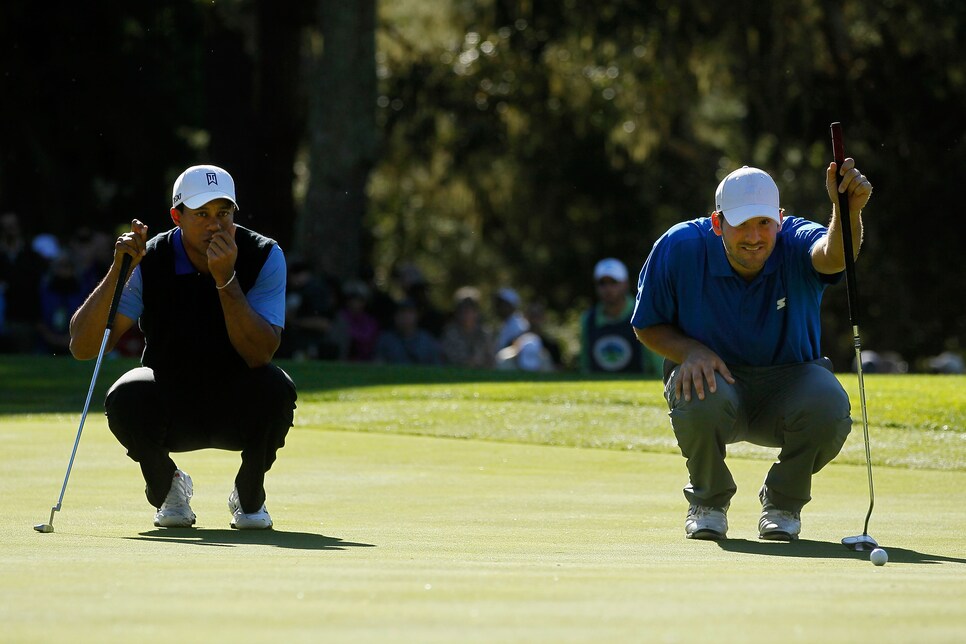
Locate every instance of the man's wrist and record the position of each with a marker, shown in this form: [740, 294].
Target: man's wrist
[230, 280]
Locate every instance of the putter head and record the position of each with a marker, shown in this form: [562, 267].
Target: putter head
[860, 543]
[44, 527]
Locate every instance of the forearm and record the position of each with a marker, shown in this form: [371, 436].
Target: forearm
[830, 256]
[669, 341]
[250, 334]
[90, 319]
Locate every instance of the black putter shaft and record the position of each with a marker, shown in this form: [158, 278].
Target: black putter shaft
[838, 154]
[118, 289]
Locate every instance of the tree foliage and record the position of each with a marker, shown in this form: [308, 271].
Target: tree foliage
[514, 141]
[541, 136]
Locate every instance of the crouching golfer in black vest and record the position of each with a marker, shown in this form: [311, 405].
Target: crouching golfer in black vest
[210, 299]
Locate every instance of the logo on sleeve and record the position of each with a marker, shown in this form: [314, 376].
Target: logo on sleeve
[780, 304]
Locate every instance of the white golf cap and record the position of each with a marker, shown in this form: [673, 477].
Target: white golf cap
[612, 268]
[746, 193]
[200, 184]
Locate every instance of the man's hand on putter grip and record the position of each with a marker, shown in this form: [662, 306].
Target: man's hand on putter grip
[133, 243]
[852, 182]
[698, 368]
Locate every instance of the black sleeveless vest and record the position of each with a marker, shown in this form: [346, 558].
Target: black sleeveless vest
[183, 322]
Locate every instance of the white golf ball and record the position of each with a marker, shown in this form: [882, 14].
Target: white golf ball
[879, 557]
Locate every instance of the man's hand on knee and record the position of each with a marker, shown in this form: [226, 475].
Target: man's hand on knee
[698, 369]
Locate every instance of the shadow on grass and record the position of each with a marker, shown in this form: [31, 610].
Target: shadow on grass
[231, 538]
[828, 550]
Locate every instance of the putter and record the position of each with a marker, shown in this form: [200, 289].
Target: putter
[863, 541]
[125, 264]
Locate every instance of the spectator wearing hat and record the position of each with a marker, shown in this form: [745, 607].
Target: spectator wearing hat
[512, 322]
[406, 342]
[466, 341]
[607, 340]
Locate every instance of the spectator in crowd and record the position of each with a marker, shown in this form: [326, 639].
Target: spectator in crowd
[607, 340]
[947, 362]
[526, 353]
[61, 293]
[47, 246]
[537, 317]
[407, 342]
[313, 330]
[466, 341]
[512, 323]
[362, 328]
[415, 288]
[93, 252]
[21, 269]
[380, 303]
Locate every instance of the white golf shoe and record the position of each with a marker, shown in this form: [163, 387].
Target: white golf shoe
[176, 511]
[775, 524]
[707, 523]
[260, 520]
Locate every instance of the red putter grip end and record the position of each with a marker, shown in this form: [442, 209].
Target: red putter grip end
[838, 148]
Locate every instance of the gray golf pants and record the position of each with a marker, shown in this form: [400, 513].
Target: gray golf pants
[800, 408]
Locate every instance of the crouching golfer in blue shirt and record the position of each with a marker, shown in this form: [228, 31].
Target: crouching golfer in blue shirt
[209, 296]
[732, 301]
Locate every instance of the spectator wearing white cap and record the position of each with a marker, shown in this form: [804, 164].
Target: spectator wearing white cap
[607, 340]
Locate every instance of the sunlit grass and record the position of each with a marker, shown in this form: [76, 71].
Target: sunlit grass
[914, 421]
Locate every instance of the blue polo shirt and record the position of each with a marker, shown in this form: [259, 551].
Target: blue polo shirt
[774, 319]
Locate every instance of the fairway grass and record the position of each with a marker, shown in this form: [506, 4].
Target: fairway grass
[386, 537]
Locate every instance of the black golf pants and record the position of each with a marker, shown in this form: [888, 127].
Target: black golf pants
[154, 414]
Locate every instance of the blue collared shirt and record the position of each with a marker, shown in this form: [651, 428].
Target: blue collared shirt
[773, 319]
[266, 297]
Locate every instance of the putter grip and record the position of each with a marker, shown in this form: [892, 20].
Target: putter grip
[118, 289]
[838, 155]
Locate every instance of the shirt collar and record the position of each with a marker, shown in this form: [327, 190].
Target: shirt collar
[182, 265]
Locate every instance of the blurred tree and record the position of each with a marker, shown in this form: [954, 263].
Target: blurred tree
[535, 137]
[512, 141]
[342, 138]
[96, 104]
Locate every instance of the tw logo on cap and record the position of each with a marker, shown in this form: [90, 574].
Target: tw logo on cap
[200, 184]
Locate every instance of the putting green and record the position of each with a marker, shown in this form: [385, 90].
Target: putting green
[406, 538]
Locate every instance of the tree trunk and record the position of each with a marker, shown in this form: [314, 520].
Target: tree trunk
[342, 138]
[280, 109]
